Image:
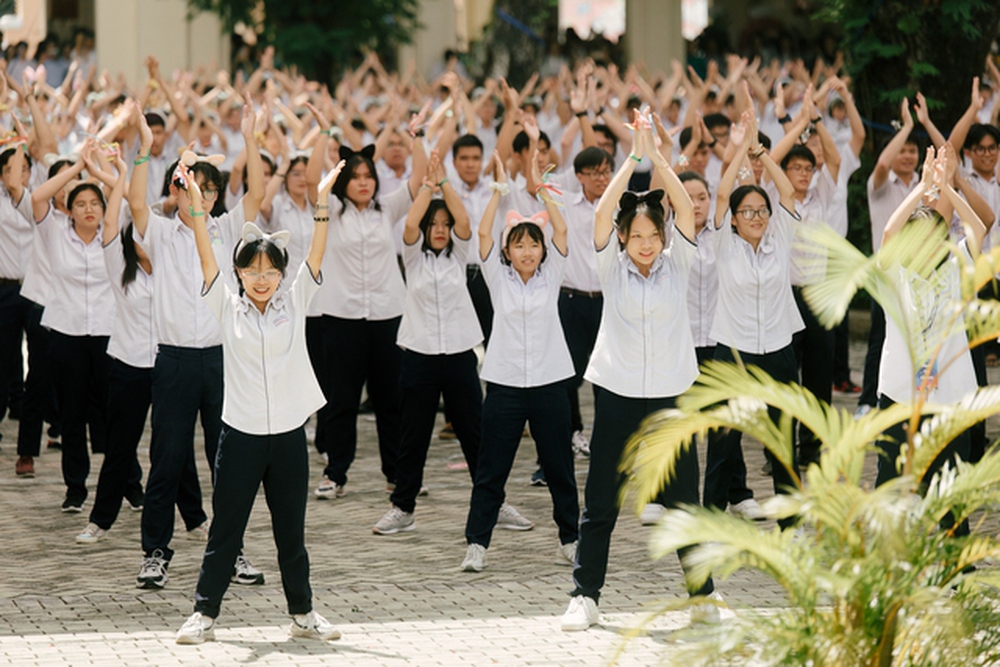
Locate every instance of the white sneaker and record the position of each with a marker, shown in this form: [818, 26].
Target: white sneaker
[198, 629]
[199, 533]
[91, 534]
[708, 612]
[395, 521]
[581, 445]
[651, 514]
[313, 626]
[475, 558]
[511, 519]
[748, 509]
[862, 410]
[582, 614]
[567, 553]
[329, 490]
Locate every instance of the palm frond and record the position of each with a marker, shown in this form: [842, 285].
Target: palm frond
[950, 421]
[982, 321]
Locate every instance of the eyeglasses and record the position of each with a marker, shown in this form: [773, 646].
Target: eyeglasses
[209, 194]
[593, 173]
[802, 168]
[988, 149]
[751, 213]
[270, 275]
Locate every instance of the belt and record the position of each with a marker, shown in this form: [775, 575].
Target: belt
[9, 281]
[577, 292]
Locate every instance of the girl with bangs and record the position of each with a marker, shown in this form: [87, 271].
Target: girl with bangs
[526, 368]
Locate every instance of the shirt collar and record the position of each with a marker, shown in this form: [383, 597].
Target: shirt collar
[277, 302]
[658, 265]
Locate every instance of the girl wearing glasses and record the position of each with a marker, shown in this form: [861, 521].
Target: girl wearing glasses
[756, 314]
[634, 373]
[270, 392]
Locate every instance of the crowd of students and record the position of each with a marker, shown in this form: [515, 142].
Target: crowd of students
[176, 246]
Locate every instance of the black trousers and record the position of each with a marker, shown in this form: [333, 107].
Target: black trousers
[814, 351]
[14, 310]
[83, 369]
[423, 379]
[317, 358]
[616, 418]
[725, 463]
[39, 392]
[873, 358]
[243, 462]
[187, 383]
[480, 294]
[357, 351]
[891, 445]
[841, 350]
[580, 316]
[505, 410]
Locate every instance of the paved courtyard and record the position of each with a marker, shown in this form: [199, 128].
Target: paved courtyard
[399, 600]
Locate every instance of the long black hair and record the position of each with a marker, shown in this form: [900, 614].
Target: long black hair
[212, 176]
[519, 231]
[131, 257]
[353, 160]
[427, 221]
[650, 205]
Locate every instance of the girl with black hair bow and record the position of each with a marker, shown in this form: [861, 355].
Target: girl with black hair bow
[362, 303]
[270, 392]
[642, 360]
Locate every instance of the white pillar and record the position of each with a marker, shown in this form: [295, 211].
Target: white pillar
[653, 33]
[438, 33]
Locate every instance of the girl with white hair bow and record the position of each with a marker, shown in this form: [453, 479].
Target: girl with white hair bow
[270, 392]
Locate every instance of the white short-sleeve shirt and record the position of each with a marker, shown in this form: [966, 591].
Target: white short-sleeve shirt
[885, 200]
[527, 346]
[81, 302]
[269, 383]
[756, 310]
[439, 317]
[15, 234]
[703, 287]
[644, 347]
[363, 281]
[581, 263]
[37, 285]
[133, 335]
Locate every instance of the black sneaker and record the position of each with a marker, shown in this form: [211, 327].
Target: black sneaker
[246, 574]
[135, 499]
[538, 478]
[73, 503]
[153, 573]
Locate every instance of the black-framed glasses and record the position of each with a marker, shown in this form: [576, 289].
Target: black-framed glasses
[751, 213]
[988, 149]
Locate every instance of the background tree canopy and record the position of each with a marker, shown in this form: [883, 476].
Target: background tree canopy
[321, 38]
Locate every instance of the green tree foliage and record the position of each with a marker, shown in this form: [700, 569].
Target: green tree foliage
[509, 50]
[322, 37]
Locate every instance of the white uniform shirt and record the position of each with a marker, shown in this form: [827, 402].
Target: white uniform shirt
[181, 316]
[703, 286]
[269, 383]
[16, 230]
[389, 182]
[363, 281]
[81, 302]
[927, 309]
[836, 215]
[133, 335]
[527, 347]
[581, 262]
[812, 210]
[286, 215]
[756, 311]
[37, 285]
[439, 317]
[989, 190]
[884, 201]
[475, 199]
[644, 347]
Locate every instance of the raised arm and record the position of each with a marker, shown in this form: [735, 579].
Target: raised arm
[853, 116]
[912, 200]
[411, 228]
[924, 118]
[42, 196]
[255, 168]
[740, 140]
[111, 214]
[317, 245]
[209, 267]
[463, 227]
[961, 129]
[679, 199]
[604, 223]
[552, 208]
[140, 173]
[314, 167]
[892, 149]
[490, 213]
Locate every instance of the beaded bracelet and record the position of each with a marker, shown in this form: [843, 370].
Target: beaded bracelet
[580, 114]
[442, 182]
[318, 218]
[196, 214]
[633, 156]
[427, 187]
[141, 160]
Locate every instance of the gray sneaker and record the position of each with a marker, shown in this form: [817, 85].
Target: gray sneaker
[313, 626]
[395, 521]
[510, 519]
[198, 629]
[475, 558]
[245, 573]
[153, 573]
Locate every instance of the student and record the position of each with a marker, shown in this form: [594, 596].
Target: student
[634, 374]
[756, 315]
[525, 369]
[187, 374]
[270, 392]
[362, 304]
[79, 316]
[951, 375]
[437, 335]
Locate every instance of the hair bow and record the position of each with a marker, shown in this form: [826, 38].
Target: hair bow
[51, 158]
[189, 158]
[514, 219]
[252, 232]
[630, 200]
[346, 152]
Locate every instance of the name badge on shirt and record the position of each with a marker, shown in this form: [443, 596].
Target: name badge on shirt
[215, 236]
[280, 319]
